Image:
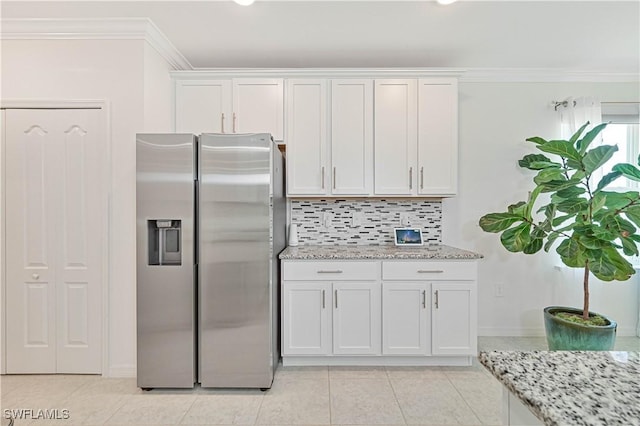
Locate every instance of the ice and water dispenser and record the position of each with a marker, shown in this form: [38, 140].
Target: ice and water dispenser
[164, 242]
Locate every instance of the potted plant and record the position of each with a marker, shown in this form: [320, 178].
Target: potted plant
[593, 228]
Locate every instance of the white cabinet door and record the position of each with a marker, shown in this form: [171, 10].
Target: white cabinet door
[306, 137]
[258, 106]
[54, 218]
[454, 318]
[203, 106]
[395, 144]
[306, 318]
[437, 136]
[356, 318]
[352, 137]
[405, 320]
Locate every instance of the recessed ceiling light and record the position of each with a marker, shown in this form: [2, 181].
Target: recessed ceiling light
[246, 2]
[446, 1]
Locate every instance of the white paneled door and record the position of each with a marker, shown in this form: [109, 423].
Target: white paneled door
[54, 220]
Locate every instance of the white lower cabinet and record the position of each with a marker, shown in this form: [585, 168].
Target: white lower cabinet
[454, 317]
[356, 318]
[306, 329]
[405, 319]
[394, 311]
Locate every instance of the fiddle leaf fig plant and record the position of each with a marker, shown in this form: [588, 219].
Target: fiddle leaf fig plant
[591, 226]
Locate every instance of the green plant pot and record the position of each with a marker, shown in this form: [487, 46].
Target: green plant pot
[564, 335]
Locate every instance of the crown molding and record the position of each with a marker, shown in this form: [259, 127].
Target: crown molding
[212, 73]
[95, 29]
[545, 75]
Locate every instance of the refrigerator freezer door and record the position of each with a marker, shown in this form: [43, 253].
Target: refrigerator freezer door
[165, 260]
[235, 261]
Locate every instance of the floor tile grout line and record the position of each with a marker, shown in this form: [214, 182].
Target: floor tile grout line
[404, 418]
[263, 396]
[463, 398]
[187, 410]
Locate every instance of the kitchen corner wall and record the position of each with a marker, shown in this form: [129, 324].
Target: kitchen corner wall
[363, 221]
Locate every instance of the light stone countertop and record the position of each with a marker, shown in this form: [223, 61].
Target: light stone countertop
[572, 388]
[343, 252]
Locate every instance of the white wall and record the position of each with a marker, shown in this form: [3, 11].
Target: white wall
[115, 71]
[158, 90]
[495, 120]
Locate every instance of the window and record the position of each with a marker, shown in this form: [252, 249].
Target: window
[624, 131]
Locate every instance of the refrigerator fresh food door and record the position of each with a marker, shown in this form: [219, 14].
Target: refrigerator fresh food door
[235, 254]
[165, 260]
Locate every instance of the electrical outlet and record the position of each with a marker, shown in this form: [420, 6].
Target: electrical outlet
[326, 220]
[356, 219]
[405, 220]
[498, 290]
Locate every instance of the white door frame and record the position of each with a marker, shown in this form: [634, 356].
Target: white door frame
[106, 207]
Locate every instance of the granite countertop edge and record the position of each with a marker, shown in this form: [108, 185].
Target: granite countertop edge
[389, 252]
[568, 387]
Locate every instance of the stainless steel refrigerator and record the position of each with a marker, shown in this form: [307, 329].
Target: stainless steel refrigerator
[210, 224]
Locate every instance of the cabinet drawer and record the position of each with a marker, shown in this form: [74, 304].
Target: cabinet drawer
[428, 270]
[330, 271]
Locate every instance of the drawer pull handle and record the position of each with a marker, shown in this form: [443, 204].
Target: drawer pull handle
[337, 271]
[430, 271]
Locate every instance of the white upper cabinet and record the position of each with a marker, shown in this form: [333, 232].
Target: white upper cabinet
[329, 159]
[307, 137]
[244, 105]
[438, 136]
[203, 106]
[395, 137]
[352, 137]
[258, 106]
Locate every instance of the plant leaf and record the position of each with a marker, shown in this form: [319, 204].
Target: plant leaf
[548, 175]
[597, 202]
[572, 205]
[633, 214]
[551, 238]
[564, 149]
[537, 140]
[578, 133]
[571, 192]
[498, 222]
[606, 180]
[518, 208]
[597, 157]
[536, 162]
[560, 219]
[584, 143]
[608, 265]
[533, 247]
[572, 253]
[628, 170]
[515, 239]
[629, 246]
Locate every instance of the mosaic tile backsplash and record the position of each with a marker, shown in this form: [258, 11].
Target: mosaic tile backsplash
[364, 222]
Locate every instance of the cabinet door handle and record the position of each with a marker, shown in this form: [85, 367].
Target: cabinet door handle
[334, 178]
[430, 271]
[424, 299]
[335, 297]
[323, 299]
[234, 122]
[322, 177]
[410, 177]
[327, 271]
[421, 177]
[436, 299]
[222, 123]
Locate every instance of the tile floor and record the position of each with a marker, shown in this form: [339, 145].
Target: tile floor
[299, 396]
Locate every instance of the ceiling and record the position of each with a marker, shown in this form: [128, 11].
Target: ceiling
[602, 36]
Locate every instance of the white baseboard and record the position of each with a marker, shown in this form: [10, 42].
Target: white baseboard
[121, 371]
[534, 332]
